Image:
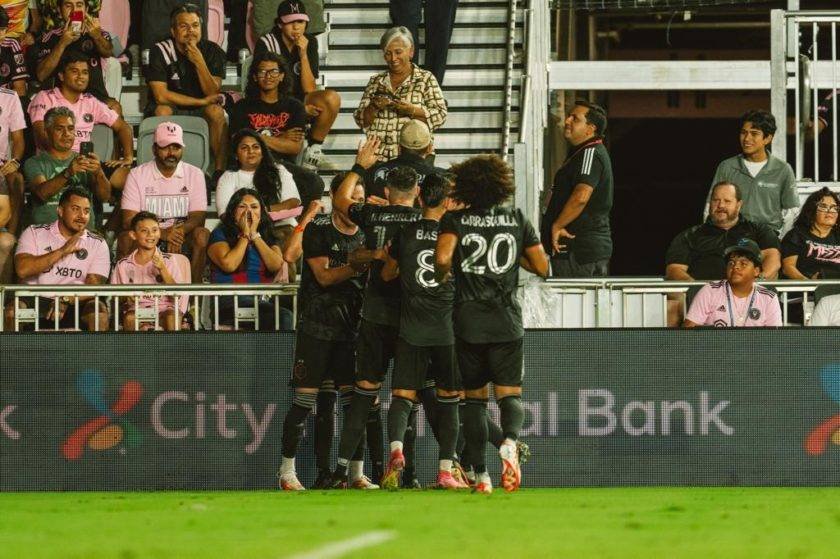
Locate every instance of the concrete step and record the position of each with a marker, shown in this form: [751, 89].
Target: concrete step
[464, 56]
[362, 37]
[350, 14]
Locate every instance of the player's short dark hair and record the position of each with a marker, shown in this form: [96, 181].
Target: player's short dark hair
[402, 178]
[728, 183]
[72, 57]
[74, 190]
[595, 115]
[142, 216]
[4, 18]
[339, 178]
[761, 119]
[483, 181]
[434, 190]
[188, 8]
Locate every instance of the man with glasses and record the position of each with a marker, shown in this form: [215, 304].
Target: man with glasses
[736, 301]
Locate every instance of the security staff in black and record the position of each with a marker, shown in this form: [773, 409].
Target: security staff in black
[426, 346]
[483, 247]
[576, 225]
[381, 310]
[415, 146]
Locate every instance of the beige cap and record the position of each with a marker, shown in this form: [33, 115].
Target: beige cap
[415, 135]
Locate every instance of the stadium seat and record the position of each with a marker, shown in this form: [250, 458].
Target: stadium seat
[216, 22]
[196, 139]
[103, 142]
[115, 18]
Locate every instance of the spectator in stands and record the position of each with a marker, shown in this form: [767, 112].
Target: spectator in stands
[402, 93]
[265, 15]
[767, 183]
[827, 311]
[25, 22]
[736, 301]
[288, 38]
[90, 40]
[438, 18]
[185, 76]
[73, 78]
[50, 172]
[148, 265]
[279, 118]
[7, 239]
[155, 15]
[65, 253]
[12, 142]
[13, 71]
[257, 170]
[50, 12]
[244, 250]
[576, 225]
[415, 146]
[176, 192]
[812, 247]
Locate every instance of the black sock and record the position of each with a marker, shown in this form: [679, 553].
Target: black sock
[375, 440]
[495, 434]
[512, 416]
[462, 442]
[475, 431]
[447, 419]
[429, 400]
[355, 419]
[324, 427]
[398, 415]
[293, 429]
[409, 441]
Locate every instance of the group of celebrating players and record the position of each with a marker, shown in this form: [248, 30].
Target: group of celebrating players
[432, 288]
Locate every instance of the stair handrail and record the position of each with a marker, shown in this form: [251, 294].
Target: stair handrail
[511, 43]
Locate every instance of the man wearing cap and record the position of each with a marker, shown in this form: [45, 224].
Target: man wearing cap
[736, 301]
[185, 76]
[300, 51]
[173, 190]
[415, 145]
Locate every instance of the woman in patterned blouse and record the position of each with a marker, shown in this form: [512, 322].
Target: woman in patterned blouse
[402, 93]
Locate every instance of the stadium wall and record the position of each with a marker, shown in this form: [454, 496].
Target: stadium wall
[203, 410]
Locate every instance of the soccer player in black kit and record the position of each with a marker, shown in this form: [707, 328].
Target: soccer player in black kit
[482, 246]
[381, 311]
[426, 346]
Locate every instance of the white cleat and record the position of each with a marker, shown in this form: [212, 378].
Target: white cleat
[483, 484]
[363, 483]
[290, 482]
[511, 472]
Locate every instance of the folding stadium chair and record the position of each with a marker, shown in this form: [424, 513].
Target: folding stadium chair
[196, 139]
[103, 142]
[216, 22]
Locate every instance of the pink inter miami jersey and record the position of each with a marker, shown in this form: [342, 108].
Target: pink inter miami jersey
[711, 307]
[129, 272]
[88, 110]
[11, 119]
[91, 256]
[171, 199]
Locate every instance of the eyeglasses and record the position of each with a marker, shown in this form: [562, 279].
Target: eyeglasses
[828, 209]
[268, 73]
[739, 263]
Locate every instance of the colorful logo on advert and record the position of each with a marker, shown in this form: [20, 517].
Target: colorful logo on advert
[108, 429]
[828, 431]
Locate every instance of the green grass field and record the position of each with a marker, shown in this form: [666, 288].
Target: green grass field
[654, 522]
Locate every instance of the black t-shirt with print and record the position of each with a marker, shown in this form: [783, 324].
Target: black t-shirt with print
[815, 254]
[167, 65]
[268, 119]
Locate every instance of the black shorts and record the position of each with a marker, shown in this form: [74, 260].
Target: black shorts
[317, 360]
[414, 365]
[377, 346]
[500, 363]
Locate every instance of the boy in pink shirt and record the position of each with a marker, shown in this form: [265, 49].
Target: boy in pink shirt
[736, 301]
[173, 190]
[147, 265]
[65, 253]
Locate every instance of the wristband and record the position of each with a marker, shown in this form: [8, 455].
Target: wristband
[255, 236]
[358, 169]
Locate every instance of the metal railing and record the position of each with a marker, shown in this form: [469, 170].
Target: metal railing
[511, 48]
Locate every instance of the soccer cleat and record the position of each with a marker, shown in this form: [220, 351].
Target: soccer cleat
[511, 473]
[289, 482]
[483, 484]
[313, 157]
[524, 451]
[323, 480]
[337, 481]
[460, 474]
[363, 483]
[445, 480]
[393, 473]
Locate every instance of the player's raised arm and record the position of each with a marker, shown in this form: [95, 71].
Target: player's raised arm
[365, 159]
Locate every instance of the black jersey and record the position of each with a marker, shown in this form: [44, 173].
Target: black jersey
[381, 224]
[12, 63]
[83, 45]
[329, 313]
[426, 308]
[486, 270]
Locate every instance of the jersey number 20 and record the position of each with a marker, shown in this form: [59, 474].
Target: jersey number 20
[489, 255]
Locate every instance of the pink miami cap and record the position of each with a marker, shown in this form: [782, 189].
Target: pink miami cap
[168, 133]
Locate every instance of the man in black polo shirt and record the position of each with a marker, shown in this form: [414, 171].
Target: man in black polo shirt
[288, 38]
[576, 225]
[415, 145]
[185, 76]
[89, 39]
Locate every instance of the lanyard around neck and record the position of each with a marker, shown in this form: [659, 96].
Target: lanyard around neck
[731, 308]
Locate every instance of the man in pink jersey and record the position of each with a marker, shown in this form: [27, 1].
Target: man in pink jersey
[65, 253]
[147, 265]
[73, 81]
[736, 301]
[12, 147]
[174, 190]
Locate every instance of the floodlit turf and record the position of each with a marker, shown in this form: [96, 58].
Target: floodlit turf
[651, 522]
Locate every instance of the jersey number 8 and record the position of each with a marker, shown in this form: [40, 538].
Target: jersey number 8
[470, 264]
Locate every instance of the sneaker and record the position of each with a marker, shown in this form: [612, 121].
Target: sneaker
[524, 452]
[289, 482]
[511, 473]
[393, 473]
[337, 481]
[363, 483]
[323, 479]
[313, 157]
[483, 484]
[445, 480]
